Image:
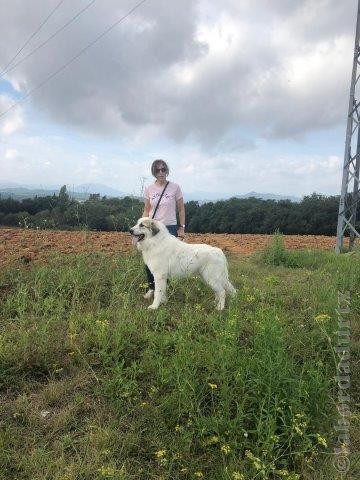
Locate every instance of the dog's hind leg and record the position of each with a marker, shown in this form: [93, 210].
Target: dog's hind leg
[216, 286]
[160, 291]
[220, 299]
[230, 289]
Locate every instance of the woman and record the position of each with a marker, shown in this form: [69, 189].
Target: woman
[171, 202]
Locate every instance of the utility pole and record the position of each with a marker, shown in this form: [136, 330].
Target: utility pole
[142, 183]
[349, 197]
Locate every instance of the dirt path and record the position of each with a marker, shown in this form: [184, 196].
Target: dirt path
[32, 245]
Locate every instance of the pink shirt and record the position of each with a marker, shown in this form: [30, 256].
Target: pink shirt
[166, 212]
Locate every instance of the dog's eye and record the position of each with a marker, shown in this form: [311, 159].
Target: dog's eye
[141, 225]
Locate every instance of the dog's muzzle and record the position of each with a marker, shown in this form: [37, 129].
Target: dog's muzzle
[136, 237]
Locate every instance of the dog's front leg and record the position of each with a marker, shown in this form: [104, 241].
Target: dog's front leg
[160, 291]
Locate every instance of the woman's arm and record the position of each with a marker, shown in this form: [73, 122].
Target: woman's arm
[181, 209]
[147, 207]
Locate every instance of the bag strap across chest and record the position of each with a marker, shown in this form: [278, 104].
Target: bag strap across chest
[157, 205]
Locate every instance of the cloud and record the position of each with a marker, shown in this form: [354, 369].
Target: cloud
[190, 71]
[12, 122]
[12, 154]
[291, 174]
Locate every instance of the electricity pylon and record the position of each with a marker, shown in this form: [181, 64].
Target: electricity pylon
[349, 197]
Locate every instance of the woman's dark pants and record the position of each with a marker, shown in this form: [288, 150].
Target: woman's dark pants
[150, 277]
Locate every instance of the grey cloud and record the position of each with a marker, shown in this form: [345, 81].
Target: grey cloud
[324, 19]
[122, 84]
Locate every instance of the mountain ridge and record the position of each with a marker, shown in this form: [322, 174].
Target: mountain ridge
[83, 191]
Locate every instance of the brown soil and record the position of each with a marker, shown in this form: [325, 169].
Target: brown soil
[32, 245]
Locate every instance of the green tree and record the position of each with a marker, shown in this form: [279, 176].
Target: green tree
[63, 199]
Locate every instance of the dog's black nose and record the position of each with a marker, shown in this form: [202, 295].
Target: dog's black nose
[131, 230]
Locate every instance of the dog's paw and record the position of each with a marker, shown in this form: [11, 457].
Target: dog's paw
[149, 294]
[153, 307]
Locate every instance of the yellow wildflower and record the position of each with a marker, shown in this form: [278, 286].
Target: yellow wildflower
[255, 460]
[212, 440]
[160, 453]
[102, 323]
[225, 449]
[232, 322]
[199, 475]
[283, 472]
[322, 317]
[321, 440]
[250, 298]
[213, 386]
[299, 423]
[237, 476]
[106, 471]
[179, 428]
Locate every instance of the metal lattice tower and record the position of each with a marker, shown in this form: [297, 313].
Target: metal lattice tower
[350, 197]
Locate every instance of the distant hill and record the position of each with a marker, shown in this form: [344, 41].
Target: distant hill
[98, 188]
[20, 193]
[83, 191]
[270, 196]
[203, 197]
[79, 192]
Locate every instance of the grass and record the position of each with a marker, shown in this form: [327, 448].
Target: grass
[95, 386]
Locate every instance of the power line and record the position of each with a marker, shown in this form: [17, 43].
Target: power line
[105, 32]
[32, 36]
[7, 70]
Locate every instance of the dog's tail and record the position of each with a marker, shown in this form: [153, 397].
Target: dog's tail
[229, 288]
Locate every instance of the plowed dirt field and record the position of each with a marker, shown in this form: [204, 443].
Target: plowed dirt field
[33, 245]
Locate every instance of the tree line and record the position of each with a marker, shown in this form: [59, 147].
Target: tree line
[315, 214]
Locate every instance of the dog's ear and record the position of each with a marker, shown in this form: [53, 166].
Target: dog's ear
[154, 229]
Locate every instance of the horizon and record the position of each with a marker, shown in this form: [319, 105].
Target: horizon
[106, 190]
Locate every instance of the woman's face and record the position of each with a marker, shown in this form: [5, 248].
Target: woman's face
[160, 172]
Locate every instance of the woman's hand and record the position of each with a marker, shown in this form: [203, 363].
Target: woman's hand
[181, 233]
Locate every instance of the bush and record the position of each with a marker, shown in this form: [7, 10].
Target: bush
[276, 253]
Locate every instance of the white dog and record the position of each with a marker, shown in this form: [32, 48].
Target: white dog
[168, 257]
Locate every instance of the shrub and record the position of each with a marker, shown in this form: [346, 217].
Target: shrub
[276, 253]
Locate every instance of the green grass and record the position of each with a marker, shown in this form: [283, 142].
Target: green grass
[96, 386]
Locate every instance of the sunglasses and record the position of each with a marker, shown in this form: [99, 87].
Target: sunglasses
[162, 169]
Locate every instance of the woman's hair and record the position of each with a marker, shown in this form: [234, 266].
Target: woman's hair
[157, 164]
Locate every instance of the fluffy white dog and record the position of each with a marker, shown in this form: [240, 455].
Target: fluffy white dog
[168, 257]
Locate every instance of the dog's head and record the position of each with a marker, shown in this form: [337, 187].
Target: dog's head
[144, 229]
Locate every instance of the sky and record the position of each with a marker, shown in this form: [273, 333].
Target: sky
[235, 95]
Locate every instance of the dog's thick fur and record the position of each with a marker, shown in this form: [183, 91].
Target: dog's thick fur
[168, 257]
